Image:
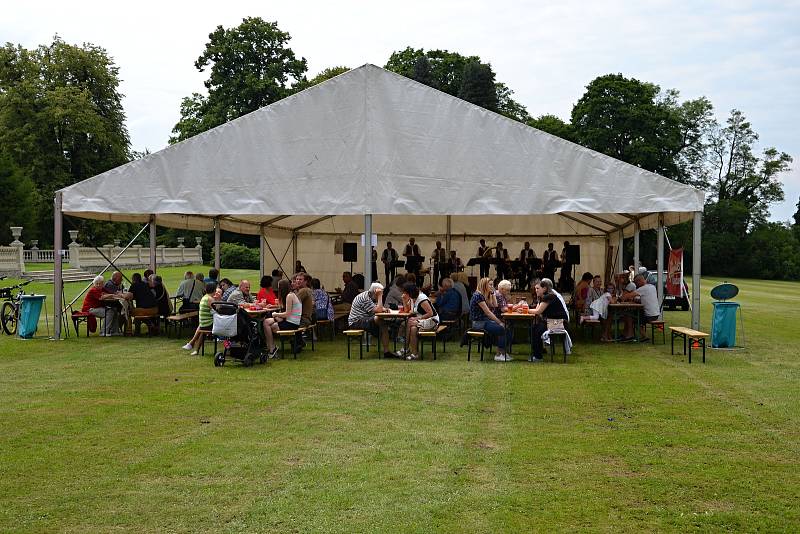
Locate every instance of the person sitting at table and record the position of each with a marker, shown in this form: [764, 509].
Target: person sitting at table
[502, 294]
[162, 297]
[184, 288]
[288, 319]
[551, 306]
[213, 276]
[448, 301]
[598, 309]
[581, 293]
[301, 285]
[226, 288]
[120, 301]
[595, 291]
[394, 297]
[144, 299]
[647, 295]
[484, 319]
[190, 291]
[266, 296]
[94, 304]
[350, 289]
[241, 295]
[362, 316]
[323, 305]
[461, 284]
[205, 319]
[424, 317]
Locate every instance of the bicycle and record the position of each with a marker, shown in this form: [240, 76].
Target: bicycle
[9, 314]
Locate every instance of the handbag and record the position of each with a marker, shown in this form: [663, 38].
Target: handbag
[555, 325]
[224, 325]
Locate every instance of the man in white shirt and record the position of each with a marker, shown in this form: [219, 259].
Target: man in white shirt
[648, 296]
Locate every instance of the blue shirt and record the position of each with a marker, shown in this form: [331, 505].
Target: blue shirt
[475, 311]
[449, 302]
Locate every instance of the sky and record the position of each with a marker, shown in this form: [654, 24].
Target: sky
[739, 54]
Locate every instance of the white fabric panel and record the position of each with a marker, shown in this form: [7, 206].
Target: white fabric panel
[371, 141]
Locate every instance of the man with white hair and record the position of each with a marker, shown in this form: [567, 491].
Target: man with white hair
[362, 315]
[97, 302]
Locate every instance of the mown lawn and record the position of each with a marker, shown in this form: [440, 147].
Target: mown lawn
[136, 435]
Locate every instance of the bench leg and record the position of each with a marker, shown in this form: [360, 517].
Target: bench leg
[469, 347]
[704, 349]
[348, 347]
[672, 342]
[361, 348]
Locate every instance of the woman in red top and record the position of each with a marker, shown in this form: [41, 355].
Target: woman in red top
[266, 294]
[94, 304]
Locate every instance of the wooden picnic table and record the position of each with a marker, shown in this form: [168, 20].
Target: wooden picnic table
[630, 309]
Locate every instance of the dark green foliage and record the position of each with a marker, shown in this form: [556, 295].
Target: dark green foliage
[326, 74]
[61, 117]
[235, 256]
[477, 85]
[508, 106]
[554, 126]
[20, 199]
[250, 66]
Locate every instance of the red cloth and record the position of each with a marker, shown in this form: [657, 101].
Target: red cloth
[92, 299]
[268, 295]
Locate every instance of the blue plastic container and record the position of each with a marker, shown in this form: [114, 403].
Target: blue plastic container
[723, 329]
[29, 311]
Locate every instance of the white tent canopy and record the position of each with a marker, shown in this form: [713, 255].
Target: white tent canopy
[371, 142]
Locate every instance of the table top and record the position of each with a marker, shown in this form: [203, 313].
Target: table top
[261, 311]
[392, 314]
[626, 305]
[517, 315]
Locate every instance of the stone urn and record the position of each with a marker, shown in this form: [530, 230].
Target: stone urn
[34, 244]
[180, 242]
[16, 232]
[73, 234]
[198, 240]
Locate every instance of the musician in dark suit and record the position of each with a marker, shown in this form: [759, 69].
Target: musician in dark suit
[482, 253]
[388, 258]
[411, 254]
[439, 257]
[549, 262]
[501, 255]
[526, 273]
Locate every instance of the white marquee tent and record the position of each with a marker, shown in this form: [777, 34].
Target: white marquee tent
[373, 152]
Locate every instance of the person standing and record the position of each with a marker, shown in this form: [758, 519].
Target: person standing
[439, 257]
[501, 255]
[526, 257]
[412, 255]
[549, 262]
[482, 253]
[388, 258]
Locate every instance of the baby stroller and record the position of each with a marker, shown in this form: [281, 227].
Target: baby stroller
[239, 334]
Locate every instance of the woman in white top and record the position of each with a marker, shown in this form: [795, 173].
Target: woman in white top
[424, 318]
[289, 319]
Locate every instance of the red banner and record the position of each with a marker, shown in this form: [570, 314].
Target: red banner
[675, 272]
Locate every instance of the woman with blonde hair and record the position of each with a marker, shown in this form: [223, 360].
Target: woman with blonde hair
[480, 313]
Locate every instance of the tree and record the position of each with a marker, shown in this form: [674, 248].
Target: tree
[250, 66]
[61, 117]
[735, 173]
[423, 73]
[326, 74]
[554, 126]
[20, 198]
[631, 121]
[508, 106]
[477, 85]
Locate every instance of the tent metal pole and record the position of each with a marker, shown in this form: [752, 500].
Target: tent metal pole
[261, 262]
[58, 281]
[294, 251]
[660, 257]
[636, 259]
[448, 236]
[620, 255]
[367, 250]
[698, 216]
[153, 243]
[606, 257]
[216, 244]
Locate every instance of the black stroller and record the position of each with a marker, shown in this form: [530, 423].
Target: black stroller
[239, 335]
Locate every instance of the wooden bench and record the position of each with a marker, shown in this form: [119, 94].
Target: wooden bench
[357, 334]
[340, 316]
[151, 318]
[326, 323]
[283, 335]
[432, 336]
[474, 335]
[562, 336]
[657, 325]
[692, 336]
[180, 320]
[206, 335]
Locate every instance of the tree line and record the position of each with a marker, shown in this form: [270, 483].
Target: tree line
[62, 120]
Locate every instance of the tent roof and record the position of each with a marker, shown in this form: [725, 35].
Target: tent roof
[372, 141]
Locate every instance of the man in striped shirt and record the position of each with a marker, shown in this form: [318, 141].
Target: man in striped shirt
[362, 315]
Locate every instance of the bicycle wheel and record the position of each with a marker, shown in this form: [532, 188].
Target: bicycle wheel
[8, 316]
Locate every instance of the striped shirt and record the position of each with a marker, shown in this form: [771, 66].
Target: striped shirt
[296, 312]
[362, 308]
[206, 314]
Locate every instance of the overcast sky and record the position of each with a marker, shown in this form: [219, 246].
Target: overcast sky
[739, 54]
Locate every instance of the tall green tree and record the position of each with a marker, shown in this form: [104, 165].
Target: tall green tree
[554, 126]
[61, 117]
[477, 85]
[326, 74]
[446, 68]
[20, 199]
[509, 107]
[250, 66]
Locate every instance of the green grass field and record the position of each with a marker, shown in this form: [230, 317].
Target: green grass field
[133, 434]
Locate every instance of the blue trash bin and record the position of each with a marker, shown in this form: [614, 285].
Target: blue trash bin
[29, 311]
[723, 329]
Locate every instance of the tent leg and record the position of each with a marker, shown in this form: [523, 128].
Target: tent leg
[448, 238]
[636, 260]
[294, 251]
[58, 282]
[620, 255]
[660, 258]
[367, 250]
[153, 243]
[216, 244]
[261, 261]
[698, 216]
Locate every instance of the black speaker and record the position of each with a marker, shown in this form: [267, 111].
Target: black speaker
[350, 252]
[574, 254]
